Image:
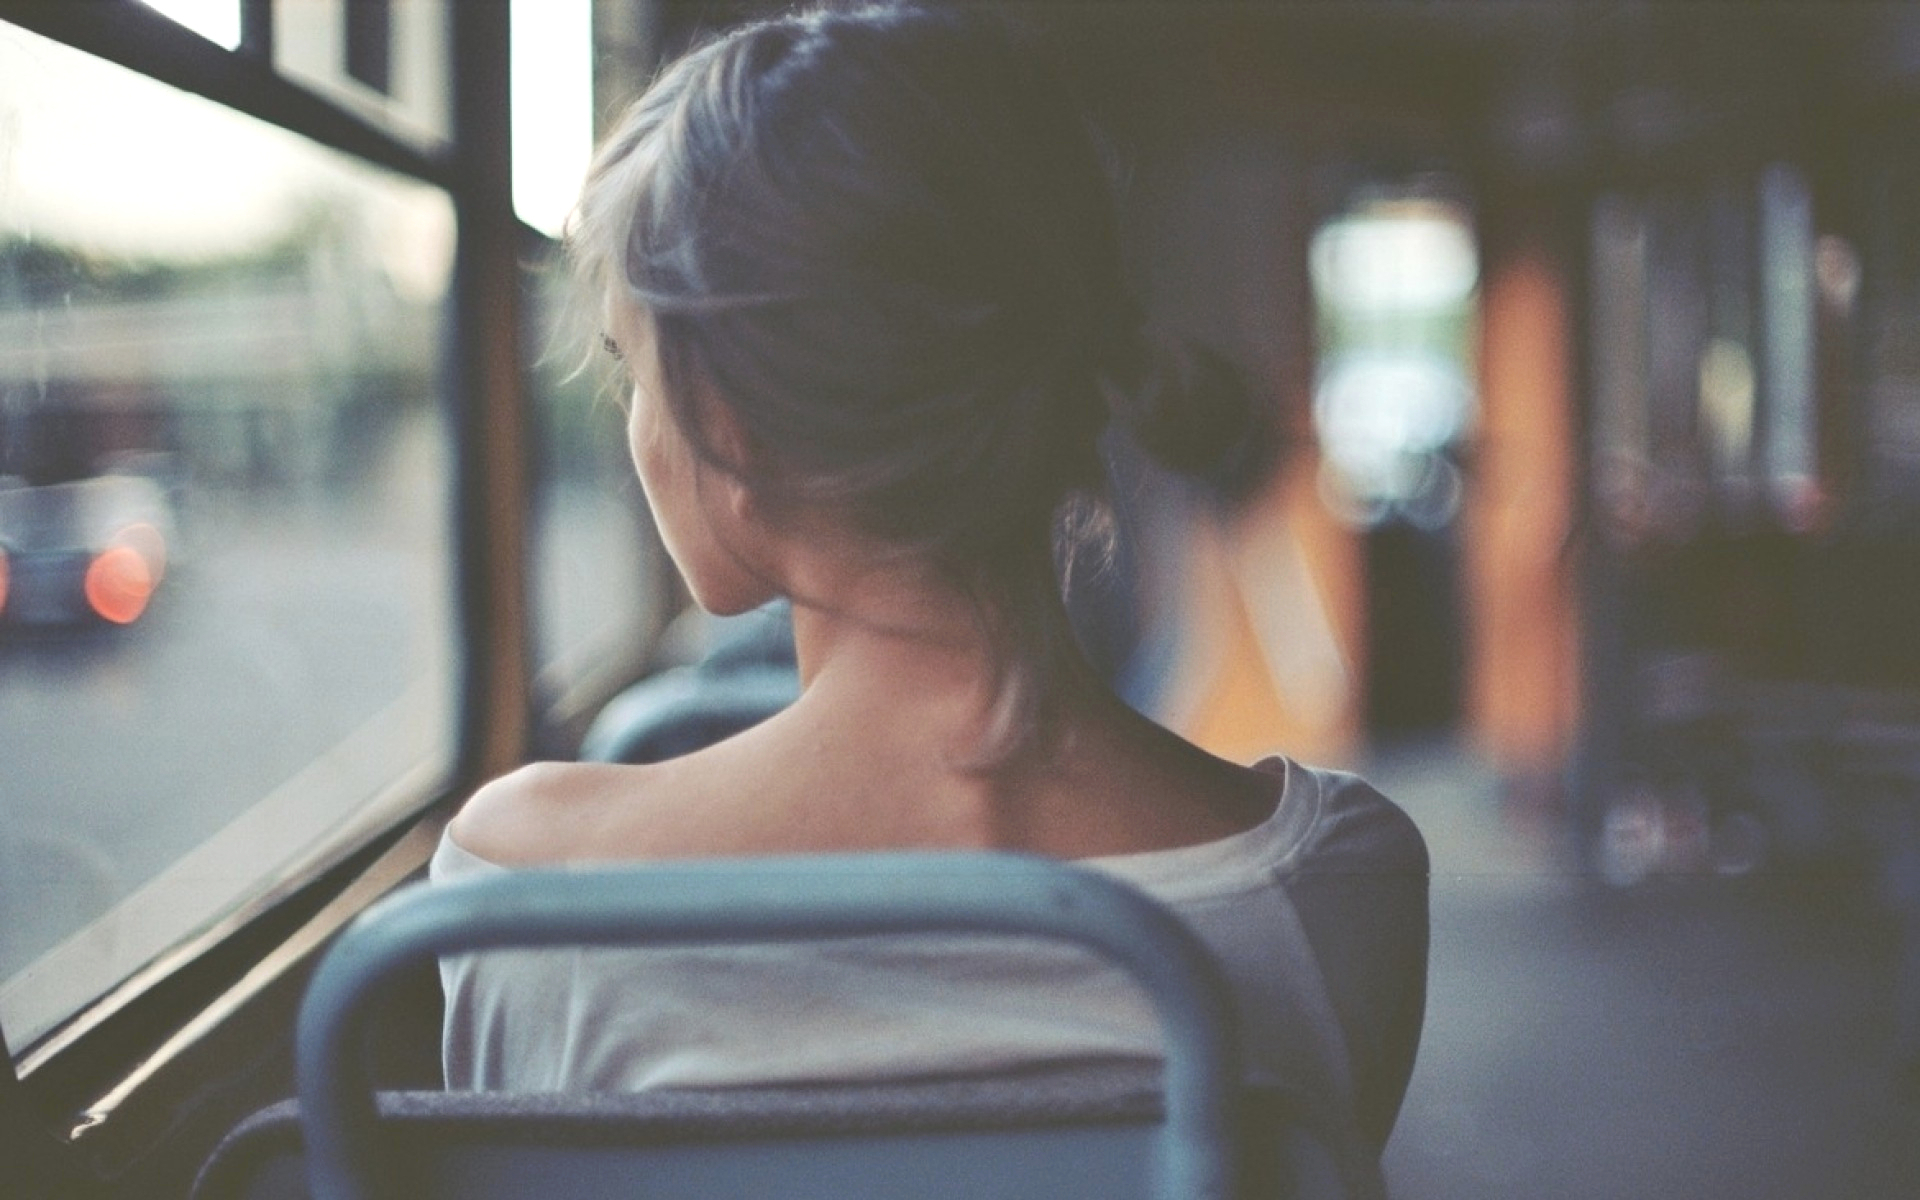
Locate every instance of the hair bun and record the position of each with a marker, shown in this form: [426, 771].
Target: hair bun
[1188, 406]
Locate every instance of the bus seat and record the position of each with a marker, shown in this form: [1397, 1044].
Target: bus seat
[1075, 1130]
[1180, 1129]
[683, 709]
[746, 674]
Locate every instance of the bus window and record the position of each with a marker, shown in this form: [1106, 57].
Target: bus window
[226, 650]
[595, 577]
[216, 20]
[385, 62]
[1394, 278]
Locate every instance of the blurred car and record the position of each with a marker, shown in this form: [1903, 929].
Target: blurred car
[84, 551]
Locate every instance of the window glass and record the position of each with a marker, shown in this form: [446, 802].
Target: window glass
[225, 598]
[383, 60]
[216, 20]
[596, 581]
[551, 86]
[1393, 280]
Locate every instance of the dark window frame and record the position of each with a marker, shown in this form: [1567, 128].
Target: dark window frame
[102, 1045]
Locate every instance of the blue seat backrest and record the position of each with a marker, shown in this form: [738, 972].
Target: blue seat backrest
[1176, 1131]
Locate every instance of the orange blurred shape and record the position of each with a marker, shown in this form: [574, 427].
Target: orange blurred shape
[119, 584]
[3, 581]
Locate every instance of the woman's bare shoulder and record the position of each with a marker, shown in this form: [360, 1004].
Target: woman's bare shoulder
[704, 804]
[551, 812]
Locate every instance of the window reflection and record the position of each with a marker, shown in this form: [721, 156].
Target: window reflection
[224, 491]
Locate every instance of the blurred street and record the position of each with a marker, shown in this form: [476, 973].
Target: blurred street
[1690, 1036]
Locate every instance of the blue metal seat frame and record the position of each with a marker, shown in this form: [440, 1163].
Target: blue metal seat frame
[1193, 1152]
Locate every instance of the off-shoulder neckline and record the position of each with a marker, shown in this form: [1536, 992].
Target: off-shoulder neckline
[1250, 855]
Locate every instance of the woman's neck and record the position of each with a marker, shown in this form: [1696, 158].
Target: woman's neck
[885, 632]
[905, 652]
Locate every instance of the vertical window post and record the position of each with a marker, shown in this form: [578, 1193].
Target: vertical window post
[369, 43]
[256, 29]
[487, 374]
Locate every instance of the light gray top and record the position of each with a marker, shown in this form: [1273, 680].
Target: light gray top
[1334, 863]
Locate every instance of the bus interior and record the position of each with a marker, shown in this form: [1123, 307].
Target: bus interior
[1579, 510]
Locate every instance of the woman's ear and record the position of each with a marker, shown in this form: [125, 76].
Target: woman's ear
[725, 435]
[741, 504]
[739, 454]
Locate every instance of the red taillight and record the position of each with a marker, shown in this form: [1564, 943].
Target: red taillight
[119, 584]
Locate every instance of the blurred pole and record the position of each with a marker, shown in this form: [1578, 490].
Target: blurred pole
[1522, 627]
